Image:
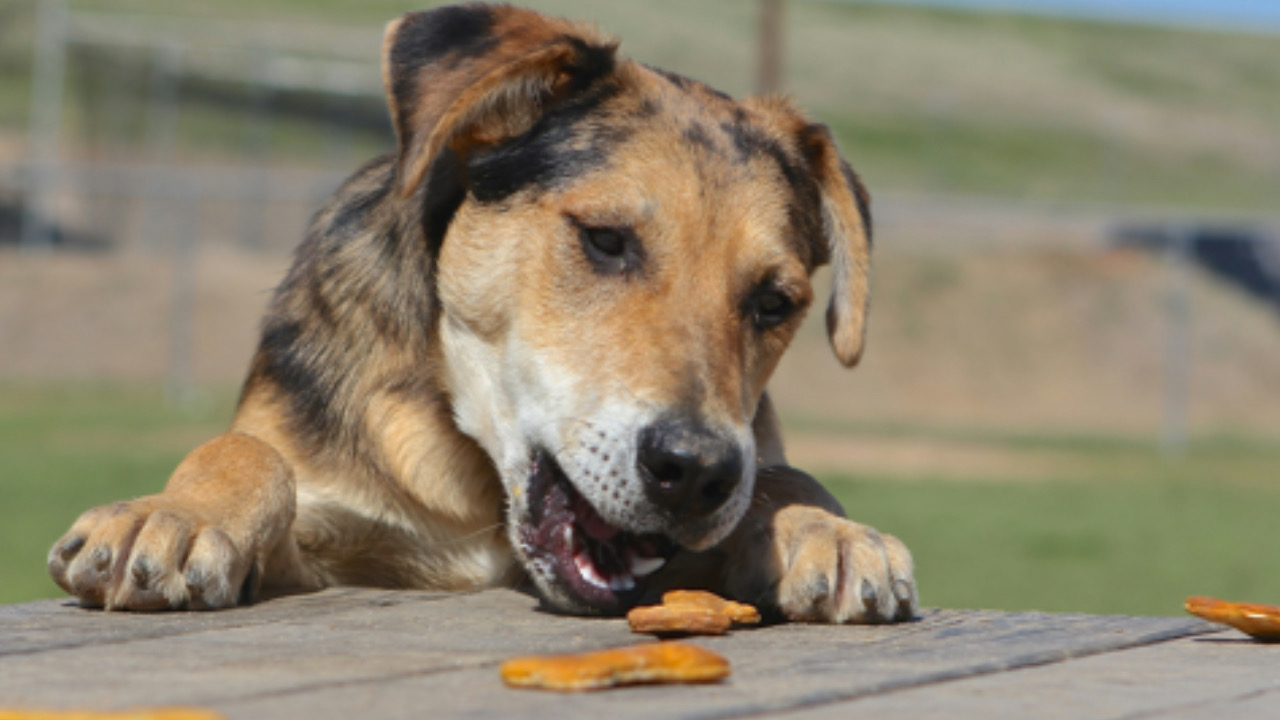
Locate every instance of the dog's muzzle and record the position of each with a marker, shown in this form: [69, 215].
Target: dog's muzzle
[586, 563]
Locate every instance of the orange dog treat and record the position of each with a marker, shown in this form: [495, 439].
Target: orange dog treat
[691, 612]
[678, 619]
[172, 713]
[740, 613]
[664, 662]
[1257, 620]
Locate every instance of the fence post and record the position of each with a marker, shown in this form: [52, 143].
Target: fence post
[44, 133]
[161, 136]
[769, 72]
[1177, 344]
[257, 150]
[182, 299]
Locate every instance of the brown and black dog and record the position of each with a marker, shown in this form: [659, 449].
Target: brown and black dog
[532, 345]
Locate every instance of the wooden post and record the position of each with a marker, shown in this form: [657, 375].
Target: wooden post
[769, 75]
[1177, 342]
[44, 131]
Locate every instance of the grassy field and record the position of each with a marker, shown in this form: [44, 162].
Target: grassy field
[1121, 529]
[62, 451]
[1117, 528]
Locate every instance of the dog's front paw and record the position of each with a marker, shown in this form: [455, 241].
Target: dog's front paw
[148, 554]
[836, 570]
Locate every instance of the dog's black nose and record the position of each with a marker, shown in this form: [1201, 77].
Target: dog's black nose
[686, 469]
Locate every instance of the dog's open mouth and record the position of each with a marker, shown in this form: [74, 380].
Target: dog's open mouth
[595, 563]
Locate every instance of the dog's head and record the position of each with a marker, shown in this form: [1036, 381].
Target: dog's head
[622, 255]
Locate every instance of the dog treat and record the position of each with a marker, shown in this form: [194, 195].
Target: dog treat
[661, 662]
[169, 713]
[678, 620]
[1259, 621]
[691, 612]
[740, 613]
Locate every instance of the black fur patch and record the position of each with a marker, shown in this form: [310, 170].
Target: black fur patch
[750, 142]
[554, 150]
[696, 134]
[283, 361]
[444, 195]
[648, 108]
[425, 37]
[592, 63]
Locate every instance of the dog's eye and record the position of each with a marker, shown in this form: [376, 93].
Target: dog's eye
[605, 242]
[770, 308]
[611, 250]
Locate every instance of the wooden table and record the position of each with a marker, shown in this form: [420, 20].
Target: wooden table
[357, 653]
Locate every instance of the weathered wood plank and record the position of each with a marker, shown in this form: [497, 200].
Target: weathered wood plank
[1257, 705]
[290, 644]
[774, 669]
[49, 624]
[1222, 675]
[386, 654]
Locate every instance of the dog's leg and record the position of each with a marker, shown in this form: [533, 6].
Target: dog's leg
[796, 553]
[208, 541]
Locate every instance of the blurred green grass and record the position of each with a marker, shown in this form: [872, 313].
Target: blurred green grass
[1117, 529]
[64, 449]
[1102, 546]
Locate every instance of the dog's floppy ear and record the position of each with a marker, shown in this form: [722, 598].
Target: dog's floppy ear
[471, 74]
[846, 221]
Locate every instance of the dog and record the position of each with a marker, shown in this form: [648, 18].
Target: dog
[530, 348]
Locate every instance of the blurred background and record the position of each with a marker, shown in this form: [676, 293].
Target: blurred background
[1071, 398]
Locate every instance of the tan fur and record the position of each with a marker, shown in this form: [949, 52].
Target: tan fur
[407, 382]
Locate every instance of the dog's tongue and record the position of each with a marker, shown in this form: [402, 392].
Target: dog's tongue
[591, 522]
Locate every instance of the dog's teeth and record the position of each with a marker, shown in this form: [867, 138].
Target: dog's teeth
[641, 566]
[588, 571]
[568, 536]
[622, 583]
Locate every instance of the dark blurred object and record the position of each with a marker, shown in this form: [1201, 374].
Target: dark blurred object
[1248, 257]
[60, 238]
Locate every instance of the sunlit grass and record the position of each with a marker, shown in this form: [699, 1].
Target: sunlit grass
[1107, 547]
[64, 450]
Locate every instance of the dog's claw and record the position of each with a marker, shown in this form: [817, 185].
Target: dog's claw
[905, 595]
[68, 549]
[142, 570]
[868, 596]
[821, 589]
[100, 558]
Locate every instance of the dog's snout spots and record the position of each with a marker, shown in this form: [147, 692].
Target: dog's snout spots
[688, 470]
